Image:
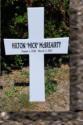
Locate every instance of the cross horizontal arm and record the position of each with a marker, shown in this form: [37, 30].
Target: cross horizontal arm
[44, 46]
[15, 46]
[56, 45]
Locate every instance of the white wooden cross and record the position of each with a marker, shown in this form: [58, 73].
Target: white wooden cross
[36, 46]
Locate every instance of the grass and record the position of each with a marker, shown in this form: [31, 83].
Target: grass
[50, 84]
[24, 73]
[11, 92]
[16, 98]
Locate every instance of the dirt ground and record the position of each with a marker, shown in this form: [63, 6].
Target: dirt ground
[14, 96]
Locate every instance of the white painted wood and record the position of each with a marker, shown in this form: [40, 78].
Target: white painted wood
[36, 46]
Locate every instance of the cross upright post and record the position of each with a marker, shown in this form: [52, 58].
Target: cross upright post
[36, 33]
[36, 46]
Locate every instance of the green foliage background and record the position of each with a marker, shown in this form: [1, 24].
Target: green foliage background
[14, 25]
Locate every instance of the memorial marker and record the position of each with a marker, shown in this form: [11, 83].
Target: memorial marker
[36, 46]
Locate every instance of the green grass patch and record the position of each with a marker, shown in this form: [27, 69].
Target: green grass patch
[50, 84]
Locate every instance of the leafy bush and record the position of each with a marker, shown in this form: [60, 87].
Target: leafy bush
[14, 24]
[18, 61]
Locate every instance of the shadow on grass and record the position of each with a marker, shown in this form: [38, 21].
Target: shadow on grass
[21, 84]
[1, 87]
